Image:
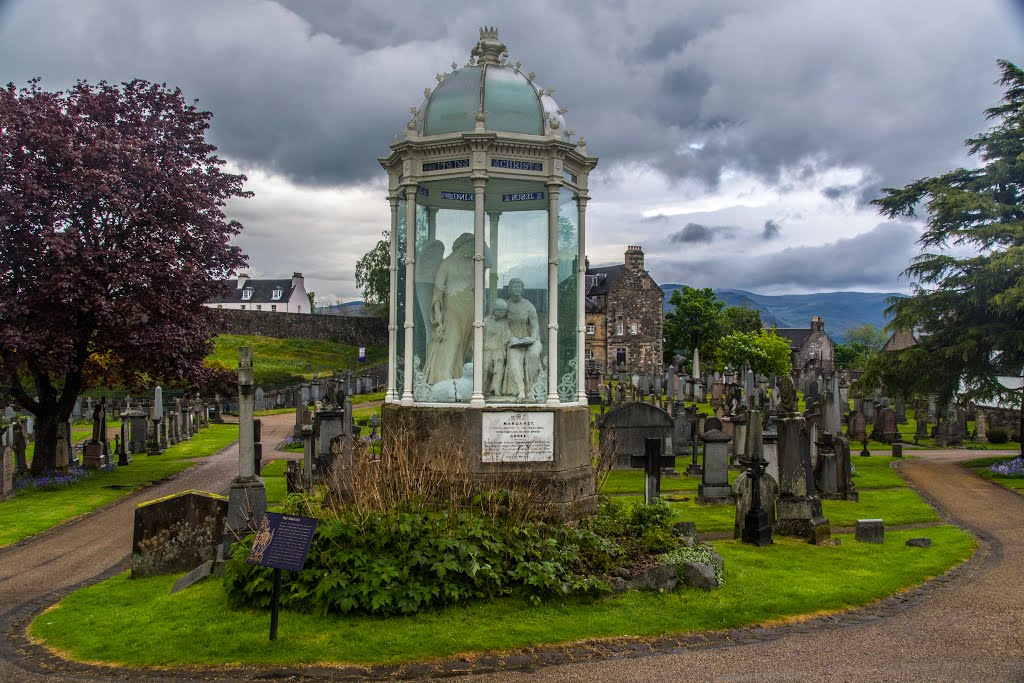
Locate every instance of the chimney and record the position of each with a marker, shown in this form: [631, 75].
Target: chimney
[296, 279]
[635, 259]
[242, 279]
[817, 324]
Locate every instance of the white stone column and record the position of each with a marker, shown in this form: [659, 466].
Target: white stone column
[581, 285]
[431, 223]
[479, 188]
[553, 191]
[389, 396]
[410, 293]
[493, 217]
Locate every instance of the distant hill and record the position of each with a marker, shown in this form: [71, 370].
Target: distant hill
[841, 310]
[349, 308]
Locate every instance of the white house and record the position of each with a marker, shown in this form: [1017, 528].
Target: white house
[275, 296]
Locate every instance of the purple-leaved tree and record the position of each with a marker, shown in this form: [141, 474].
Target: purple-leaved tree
[113, 236]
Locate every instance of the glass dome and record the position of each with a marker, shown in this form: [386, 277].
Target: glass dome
[510, 99]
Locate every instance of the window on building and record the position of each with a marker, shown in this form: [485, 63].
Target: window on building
[632, 328]
[618, 329]
[590, 354]
[300, 308]
[243, 307]
[276, 294]
[220, 305]
[246, 294]
[273, 307]
[620, 356]
[590, 328]
[259, 307]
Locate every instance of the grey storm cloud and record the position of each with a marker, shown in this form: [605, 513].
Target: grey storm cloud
[770, 230]
[315, 91]
[695, 232]
[872, 260]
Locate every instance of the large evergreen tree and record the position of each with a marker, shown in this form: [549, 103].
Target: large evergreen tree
[968, 281]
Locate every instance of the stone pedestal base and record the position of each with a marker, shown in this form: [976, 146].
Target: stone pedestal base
[564, 488]
[757, 530]
[694, 470]
[247, 502]
[814, 530]
[92, 457]
[711, 494]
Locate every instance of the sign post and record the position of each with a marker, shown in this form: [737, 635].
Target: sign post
[362, 354]
[282, 542]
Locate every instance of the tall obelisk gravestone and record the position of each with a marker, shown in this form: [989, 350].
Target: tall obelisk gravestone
[798, 506]
[247, 500]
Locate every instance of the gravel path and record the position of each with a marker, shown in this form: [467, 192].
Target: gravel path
[967, 626]
[100, 543]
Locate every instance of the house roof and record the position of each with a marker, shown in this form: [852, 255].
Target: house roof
[795, 335]
[262, 292]
[600, 280]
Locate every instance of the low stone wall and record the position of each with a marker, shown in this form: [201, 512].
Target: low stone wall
[352, 330]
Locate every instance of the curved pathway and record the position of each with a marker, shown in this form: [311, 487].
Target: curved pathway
[100, 543]
[967, 625]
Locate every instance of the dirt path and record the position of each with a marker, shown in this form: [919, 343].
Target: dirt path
[968, 627]
[97, 543]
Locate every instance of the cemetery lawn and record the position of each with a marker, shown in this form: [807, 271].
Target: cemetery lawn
[32, 510]
[139, 623]
[273, 411]
[980, 466]
[883, 495]
[281, 361]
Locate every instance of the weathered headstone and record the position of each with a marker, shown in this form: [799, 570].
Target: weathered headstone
[714, 486]
[6, 473]
[870, 531]
[798, 506]
[626, 428]
[177, 533]
[856, 426]
[20, 446]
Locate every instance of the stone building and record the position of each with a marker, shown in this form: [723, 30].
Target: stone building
[811, 348]
[624, 317]
[273, 296]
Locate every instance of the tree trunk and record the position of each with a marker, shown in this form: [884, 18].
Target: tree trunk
[48, 426]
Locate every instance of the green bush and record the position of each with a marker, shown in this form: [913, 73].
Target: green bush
[641, 528]
[998, 435]
[401, 563]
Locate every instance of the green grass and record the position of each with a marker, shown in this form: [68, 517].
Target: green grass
[273, 479]
[883, 494]
[980, 467]
[139, 623]
[280, 361]
[367, 398]
[273, 411]
[32, 511]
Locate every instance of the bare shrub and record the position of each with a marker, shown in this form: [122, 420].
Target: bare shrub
[404, 476]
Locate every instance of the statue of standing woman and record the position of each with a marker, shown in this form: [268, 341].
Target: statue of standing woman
[451, 313]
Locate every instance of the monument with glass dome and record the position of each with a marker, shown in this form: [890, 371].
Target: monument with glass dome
[488, 194]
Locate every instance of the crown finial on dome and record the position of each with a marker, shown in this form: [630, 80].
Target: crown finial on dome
[489, 48]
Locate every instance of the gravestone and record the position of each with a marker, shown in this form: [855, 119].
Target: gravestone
[20, 446]
[901, 411]
[6, 473]
[870, 531]
[886, 428]
[626, 428]
[682, 430]
[177, 533]
[743, 492]
[714, 486]
[138, 430]
[856, 426]
[798, 506]
[980, 427]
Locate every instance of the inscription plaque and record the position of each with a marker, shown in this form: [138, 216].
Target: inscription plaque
[518, 437]
[282, 541]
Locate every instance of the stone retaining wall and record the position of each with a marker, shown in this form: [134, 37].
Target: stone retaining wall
[352, 330]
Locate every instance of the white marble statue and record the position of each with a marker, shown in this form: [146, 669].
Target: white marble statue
[523, 362]
[497, 336]
[451, 313]
[454, 390]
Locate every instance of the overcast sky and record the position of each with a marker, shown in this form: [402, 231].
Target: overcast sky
[738, 141]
